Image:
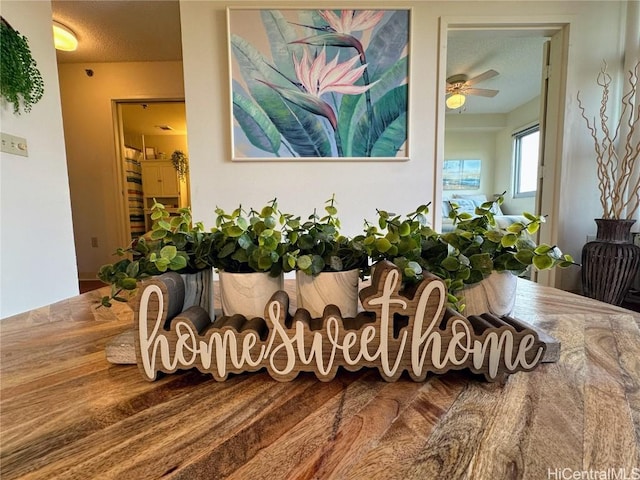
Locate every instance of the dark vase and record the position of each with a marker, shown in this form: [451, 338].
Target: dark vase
[610, 263]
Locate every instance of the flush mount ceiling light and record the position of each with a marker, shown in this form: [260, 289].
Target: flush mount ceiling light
[63, 38]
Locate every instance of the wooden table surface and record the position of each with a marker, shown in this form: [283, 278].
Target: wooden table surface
[65, 412]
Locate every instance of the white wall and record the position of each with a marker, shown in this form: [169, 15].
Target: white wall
[516, 120]
[360, 187]
[37, 257]
[91, 149]
[474, 136]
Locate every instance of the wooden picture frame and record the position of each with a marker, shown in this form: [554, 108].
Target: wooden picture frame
[282, 111]
[149, 153]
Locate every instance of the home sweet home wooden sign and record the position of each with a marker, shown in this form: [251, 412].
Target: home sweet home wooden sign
[409, 331]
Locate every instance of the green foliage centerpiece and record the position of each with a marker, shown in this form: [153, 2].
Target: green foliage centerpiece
[318, 245]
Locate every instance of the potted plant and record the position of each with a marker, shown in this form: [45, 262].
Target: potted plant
[328, 264]
[611, 262]
[250, 251]
[21, 82]
[398, 239]
[181, 163]
[471, 253]
[173, 244]
[477, 250]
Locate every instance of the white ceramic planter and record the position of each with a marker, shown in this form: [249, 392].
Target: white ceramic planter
[328, 288]
[495, 294]
[247, 293]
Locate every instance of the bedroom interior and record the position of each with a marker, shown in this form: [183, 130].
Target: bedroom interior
[482, 132]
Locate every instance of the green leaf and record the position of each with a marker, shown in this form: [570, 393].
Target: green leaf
[265, 262]
[304, 262]
[543, 249]
[169, 252]
[392, 139]
[494, 236]
[302, 130]
[158, 234]
[515, 228]
[244, 241]
[133, 269]
[450, 264]
[227, 250]
[234, 231]
[281, 33]
[542, 262]
[509, 240]
[382, 245]
[163, 224]
[533, 228]
[162, 264]
[256, 125]
[405, 229]
[482, 262]
[390, 107]
[388, 44]
[317, 264]
[525, 257]
[129, 283]
[354, 107]
[176, 222]
[270, 222]
[178, 263]
[242, 223]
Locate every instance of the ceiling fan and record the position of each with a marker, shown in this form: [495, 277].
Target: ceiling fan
[459, 86]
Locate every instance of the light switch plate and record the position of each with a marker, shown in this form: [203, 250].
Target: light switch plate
[13, 144]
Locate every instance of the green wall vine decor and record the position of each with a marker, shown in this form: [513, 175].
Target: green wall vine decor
[20, 81]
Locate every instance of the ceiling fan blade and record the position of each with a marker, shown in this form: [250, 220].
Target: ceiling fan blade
[482, 77]
[481, 92]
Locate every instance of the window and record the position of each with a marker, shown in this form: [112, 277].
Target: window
[526, 146]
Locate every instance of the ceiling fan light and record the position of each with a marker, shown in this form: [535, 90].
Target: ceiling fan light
[63, 38]
[455, 101]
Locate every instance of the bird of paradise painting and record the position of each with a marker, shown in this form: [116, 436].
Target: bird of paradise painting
[321, 84]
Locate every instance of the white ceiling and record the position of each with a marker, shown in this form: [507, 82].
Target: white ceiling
[515, 55]
[121, 31]
[129, 31]
[146, 118]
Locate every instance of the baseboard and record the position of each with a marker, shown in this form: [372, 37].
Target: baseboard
[83, 276]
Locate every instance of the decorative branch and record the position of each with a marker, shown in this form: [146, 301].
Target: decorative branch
[616, 158]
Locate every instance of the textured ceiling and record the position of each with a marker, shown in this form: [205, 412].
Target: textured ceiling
[121, 31]
[516, 56]
[145, 118]
[128, 31]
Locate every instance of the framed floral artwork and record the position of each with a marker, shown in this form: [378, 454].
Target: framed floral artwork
[319, 84]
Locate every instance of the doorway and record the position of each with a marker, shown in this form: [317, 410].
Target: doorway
[152, 161]
[485, 128]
